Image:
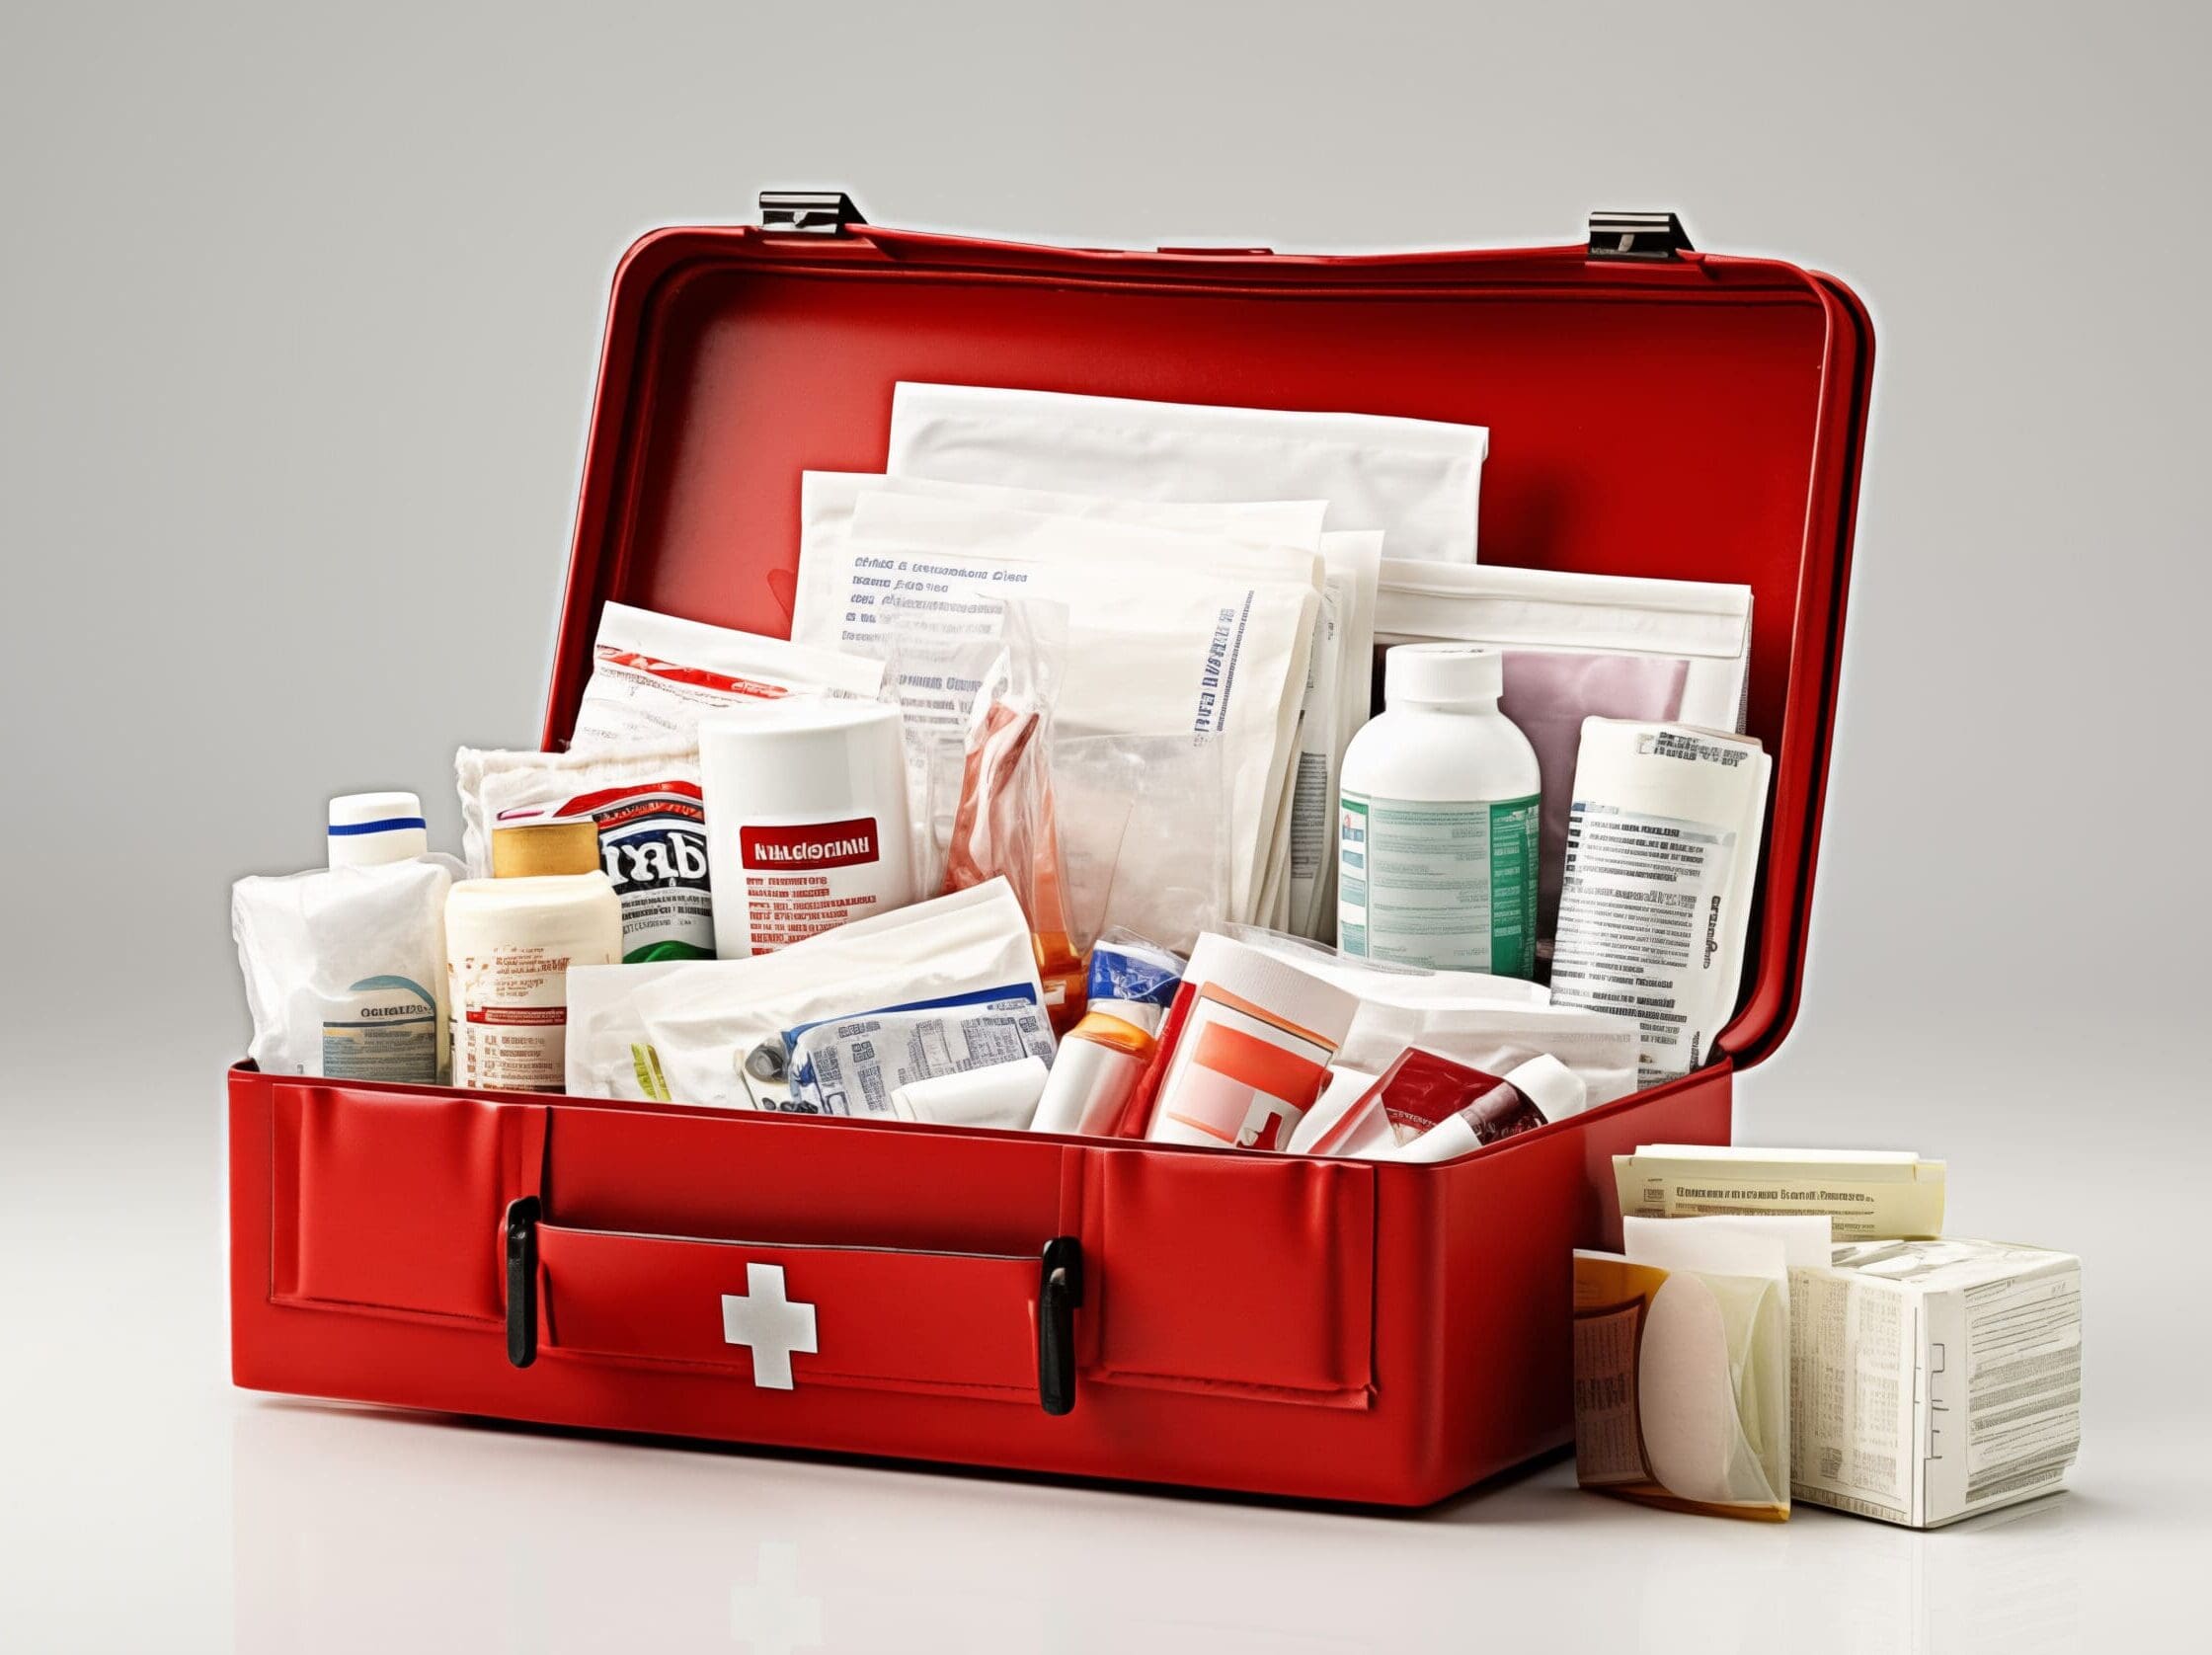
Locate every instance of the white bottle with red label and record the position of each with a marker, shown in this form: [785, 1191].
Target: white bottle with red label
[807, 821]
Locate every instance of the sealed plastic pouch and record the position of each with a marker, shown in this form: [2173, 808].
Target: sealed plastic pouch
[721, 1029]
[653, 676]
[344, 970]
[1420, 480]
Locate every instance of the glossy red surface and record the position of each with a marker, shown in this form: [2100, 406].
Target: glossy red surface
[1282, 1325]
[1285, 1325]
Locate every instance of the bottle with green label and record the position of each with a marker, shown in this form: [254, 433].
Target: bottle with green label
[1437, 823]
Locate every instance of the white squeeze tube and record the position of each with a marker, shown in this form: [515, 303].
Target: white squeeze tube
[1662, 865]
[1253, 1052]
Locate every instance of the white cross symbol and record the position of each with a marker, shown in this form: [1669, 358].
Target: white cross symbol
[770, 1324]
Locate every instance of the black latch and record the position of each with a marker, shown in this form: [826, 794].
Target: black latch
[521, 1280]
[1059, 1290]
[1651, 238]
[821, 213]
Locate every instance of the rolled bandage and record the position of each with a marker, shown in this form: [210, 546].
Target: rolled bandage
[1096, 1070]
[1002, 1095]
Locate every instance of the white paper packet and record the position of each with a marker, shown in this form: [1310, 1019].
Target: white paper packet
[707, 1018]
[1380, 980]
[607, 1054]
[1497, 1038]
[1419, 480]
[653, 676]
[1662, 865]
[652, 821]
[1167, 633]
[344, 970]
[1576, 647]
[829, 499]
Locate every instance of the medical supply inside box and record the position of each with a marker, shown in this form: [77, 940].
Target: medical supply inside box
[1121, 839]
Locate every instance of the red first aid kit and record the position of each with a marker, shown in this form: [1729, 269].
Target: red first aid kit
[1288, 1325]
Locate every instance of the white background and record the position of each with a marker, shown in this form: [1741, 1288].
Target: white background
[299, 310]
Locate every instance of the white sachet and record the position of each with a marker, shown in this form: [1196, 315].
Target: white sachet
[829, 499]
[719, 1027]
[344, 970]
[653, 676]
[1419, 480]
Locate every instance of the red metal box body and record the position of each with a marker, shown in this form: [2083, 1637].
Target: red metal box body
[1271, 1323]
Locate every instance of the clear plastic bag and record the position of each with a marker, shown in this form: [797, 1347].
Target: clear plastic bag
[1144, 839]
[1003, 814]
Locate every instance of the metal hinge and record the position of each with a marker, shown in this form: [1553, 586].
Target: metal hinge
[819, 213]
[1638, 237]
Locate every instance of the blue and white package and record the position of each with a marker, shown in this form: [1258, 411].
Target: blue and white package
[1134, 978]
[851, 1065]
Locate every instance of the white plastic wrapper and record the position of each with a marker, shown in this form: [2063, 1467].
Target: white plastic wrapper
[829, 499]
[345, 969]
[1600, 1049]
[852, 1066]
[1419, 480]
[720, 1028]
[1396, 985]
[606, 1052]
[653, 676]
[651, 816]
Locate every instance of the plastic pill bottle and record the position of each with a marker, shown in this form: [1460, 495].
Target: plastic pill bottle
[1437, 821]
[368, 830]
[806, 819]
[510, 943]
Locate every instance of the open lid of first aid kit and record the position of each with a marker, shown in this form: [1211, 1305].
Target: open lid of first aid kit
[1653, 411]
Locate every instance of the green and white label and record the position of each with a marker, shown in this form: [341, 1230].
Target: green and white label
[1449, 887]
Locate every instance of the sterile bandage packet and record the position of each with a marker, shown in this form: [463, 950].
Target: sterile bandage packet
[851, 1066]
[721, 1030]
[344, 970]
[1419, 480]
[653, 676]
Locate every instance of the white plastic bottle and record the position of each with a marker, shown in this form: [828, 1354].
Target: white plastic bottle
[806, 819]
[1437, 821]
[368, 830]
[510, 944]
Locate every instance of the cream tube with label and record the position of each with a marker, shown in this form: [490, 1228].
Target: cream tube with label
[1538, 1092]
[807, 821]
[1254, 1037]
